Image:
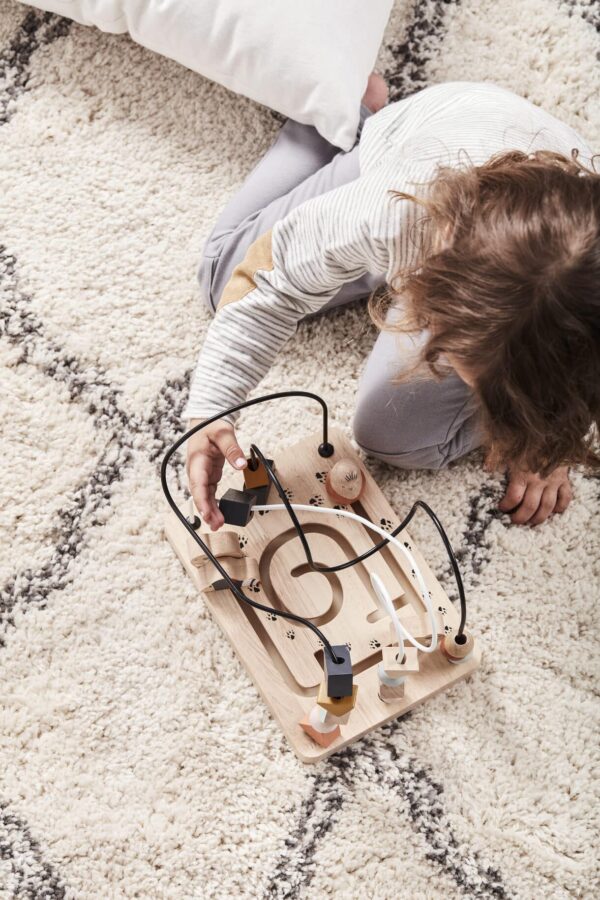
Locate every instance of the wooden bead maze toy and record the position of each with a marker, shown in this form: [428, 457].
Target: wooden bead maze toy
[333, 653]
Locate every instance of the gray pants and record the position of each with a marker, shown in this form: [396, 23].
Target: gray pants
[419, 424]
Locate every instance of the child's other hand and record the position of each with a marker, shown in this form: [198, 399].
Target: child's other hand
[207, 451]
[530, 500]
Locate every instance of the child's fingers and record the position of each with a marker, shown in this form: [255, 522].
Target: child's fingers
[215, 470]
[546, 507]
[211, 514]
[202, 488]
[514, 494]
[529, 504]
[206, 454]
[215, 517]
[530, 499]
[198, 485]
[565, 495]
[204, 468]
[224, 438]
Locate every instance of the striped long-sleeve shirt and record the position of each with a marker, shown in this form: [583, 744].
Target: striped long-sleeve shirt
[331, 240]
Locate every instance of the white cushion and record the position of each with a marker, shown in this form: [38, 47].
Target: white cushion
[307, 59]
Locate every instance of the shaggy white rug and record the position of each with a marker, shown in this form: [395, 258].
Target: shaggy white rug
[136, 757]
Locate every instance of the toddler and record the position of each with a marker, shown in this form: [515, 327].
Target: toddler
[481, 213]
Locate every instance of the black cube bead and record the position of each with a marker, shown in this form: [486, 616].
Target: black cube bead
[339, 675]
[236, 506]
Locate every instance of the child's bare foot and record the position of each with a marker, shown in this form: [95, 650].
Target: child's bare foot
[376, 94]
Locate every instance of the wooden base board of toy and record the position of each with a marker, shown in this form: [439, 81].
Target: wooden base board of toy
[284, 658]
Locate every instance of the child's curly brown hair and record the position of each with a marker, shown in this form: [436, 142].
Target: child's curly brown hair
[508, 284]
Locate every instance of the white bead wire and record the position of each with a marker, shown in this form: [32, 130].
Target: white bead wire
[388, 606]
[385, 602]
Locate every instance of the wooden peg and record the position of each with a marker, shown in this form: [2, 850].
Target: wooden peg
[321, 732]
[345, 482]
[457, 651]
[394, 667]
[339, 707]
[243, 571]
[221, 544]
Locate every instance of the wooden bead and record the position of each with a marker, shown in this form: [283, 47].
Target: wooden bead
[388, 693]
[394, 667]
[324, 739]
[345, 482]
[455, 651]
[257, 478]
[221, 544]
[339, 707]
[392, 662]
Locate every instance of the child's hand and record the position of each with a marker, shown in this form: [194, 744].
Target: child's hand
[207, 451]
[534, 499]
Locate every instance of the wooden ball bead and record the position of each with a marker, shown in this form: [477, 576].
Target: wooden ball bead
[457, 651]
[345, 482]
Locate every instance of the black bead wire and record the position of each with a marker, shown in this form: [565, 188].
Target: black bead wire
[418, 504]
[256, 453]
[235, 590]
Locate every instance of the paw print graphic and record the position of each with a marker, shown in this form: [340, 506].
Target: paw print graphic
[386, 524]
[290, 633]
[374, 644]
[407, 545]
[317, 500]
[321, 476]
[448, 629]
[337, 506]
[271, 617]
[254, 586]
[263, 512]
[441, 609]
[289, 494]
[243, 540]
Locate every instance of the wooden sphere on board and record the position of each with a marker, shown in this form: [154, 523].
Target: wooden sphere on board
[453, 650]
[345, 482]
